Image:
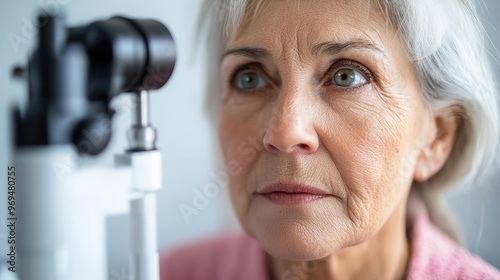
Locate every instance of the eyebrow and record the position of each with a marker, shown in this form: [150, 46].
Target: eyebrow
[325, 48]
[332, 48]
[248, 51]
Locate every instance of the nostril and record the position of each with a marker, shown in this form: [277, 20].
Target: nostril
[304, 146]
[271, 147]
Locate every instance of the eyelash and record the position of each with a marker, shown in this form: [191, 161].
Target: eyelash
[329, 73]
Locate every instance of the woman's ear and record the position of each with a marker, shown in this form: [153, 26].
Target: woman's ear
[433, 157]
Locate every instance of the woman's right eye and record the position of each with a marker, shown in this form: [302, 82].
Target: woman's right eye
[249, 80]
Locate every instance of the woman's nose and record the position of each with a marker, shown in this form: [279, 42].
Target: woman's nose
[291, 130]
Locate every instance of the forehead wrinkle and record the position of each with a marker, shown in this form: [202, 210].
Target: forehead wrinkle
[291, 41]
[299, 29]
[291, 49]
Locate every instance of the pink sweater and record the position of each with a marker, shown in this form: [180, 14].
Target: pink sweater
[239, 257]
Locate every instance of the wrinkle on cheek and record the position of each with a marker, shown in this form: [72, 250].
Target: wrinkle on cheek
[405, 113]
[369, 143]
[391, 137]
[358, 210]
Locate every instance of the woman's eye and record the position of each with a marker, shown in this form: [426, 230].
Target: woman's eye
[348, 78]
[249, 80]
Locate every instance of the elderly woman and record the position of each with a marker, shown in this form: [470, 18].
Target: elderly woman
[340, 124]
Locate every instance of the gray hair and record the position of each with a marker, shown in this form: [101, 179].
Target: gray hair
[446, 43]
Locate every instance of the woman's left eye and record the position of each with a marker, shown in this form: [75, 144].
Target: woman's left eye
[249, 80]
[348, 78]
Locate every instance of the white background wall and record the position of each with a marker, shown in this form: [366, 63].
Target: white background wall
[185, 134]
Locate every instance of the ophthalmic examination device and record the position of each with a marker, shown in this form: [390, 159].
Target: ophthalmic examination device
[61, 205]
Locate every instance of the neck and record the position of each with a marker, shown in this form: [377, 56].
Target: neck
[385, 256]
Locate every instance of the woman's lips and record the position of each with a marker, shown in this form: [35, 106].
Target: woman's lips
[292, 194]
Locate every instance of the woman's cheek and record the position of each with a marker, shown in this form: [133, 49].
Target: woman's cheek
[235, 165]
[365, 140]
[240, 146]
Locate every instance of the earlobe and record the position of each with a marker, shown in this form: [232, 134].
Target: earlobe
[433, 157]
[422, 168]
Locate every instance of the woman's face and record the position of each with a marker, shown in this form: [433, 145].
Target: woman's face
[321, 123]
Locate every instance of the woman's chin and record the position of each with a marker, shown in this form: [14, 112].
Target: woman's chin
[295, 254]
[293, 244]
[304, 233]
